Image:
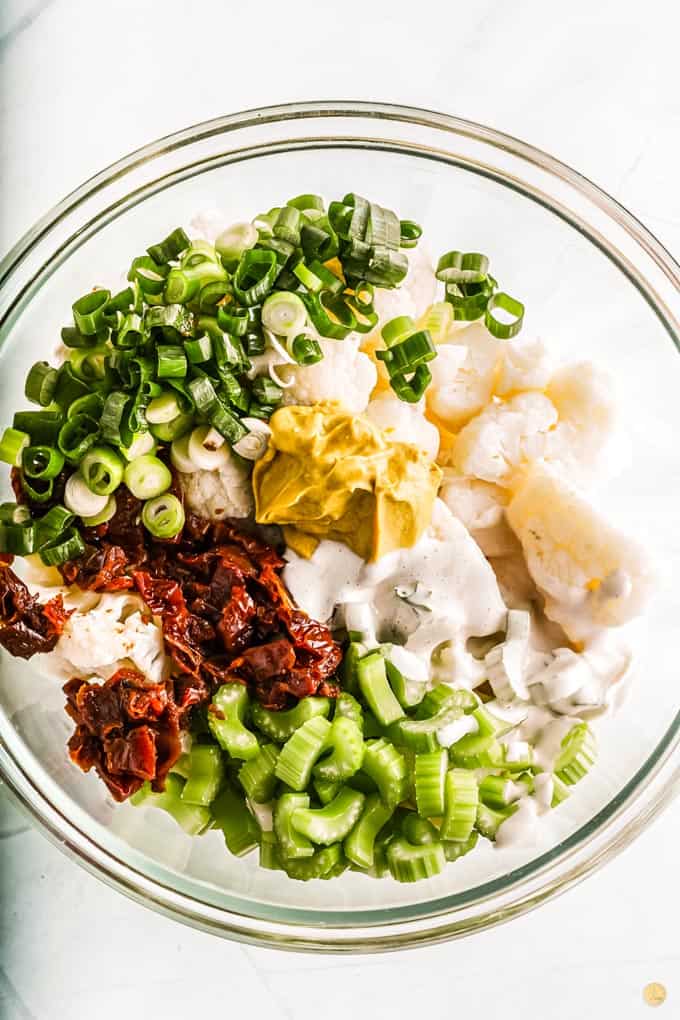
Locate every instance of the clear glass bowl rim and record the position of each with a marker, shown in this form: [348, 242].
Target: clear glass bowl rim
[646, 794]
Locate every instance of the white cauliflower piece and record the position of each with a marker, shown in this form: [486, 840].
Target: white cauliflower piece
[590, 574]
[504, 438]
[226, 492]
[404, 423]
[586, 404]
[477, 504]
[526, 365]
[480, 507]
[103, 638]
[463, 375]
[345, 374]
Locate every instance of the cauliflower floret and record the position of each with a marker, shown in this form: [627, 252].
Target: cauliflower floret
[463, 375]
[480, 507]
[504, 437]
[591, 574]
[586, 404]
[526, 365]
[404, 423]
[103, 638]
[344, 374]
[226, 492]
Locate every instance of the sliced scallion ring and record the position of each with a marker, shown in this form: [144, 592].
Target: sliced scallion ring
[147, 476]
[102, 469]
[80, 499]
[254, 445]
[163, 516]
[509, 322]
[283, 313]
[179, 455]
[105, 515]
[207, 449]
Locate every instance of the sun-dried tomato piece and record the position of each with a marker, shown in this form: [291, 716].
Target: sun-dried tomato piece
[27, 626]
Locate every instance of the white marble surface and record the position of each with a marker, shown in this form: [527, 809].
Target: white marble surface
[84, 82]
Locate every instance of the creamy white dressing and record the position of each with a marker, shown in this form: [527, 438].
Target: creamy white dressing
[520, 828]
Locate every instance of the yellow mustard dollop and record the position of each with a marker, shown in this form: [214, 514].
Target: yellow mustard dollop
[330, 474]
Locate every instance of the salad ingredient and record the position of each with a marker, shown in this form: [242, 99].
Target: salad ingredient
[505, 663]
[503, 438]
[401, 422]
[238, 826]
[346, 741]
[410, 863]
[591, 574]
[27, 626]
[373, 684]
[204, 775]
[79, 498]
[126, 729]
[430, 780]
[332, 822]
[163, 516]
[257, 776]
[359, 845]
[382, 492]
[293, 845]
[220, 493]
[225, 719]
[344, 374]
[463, 375]
[194, 819]
[461, 803]
[301, 751]
[526, 365]
[147, 476]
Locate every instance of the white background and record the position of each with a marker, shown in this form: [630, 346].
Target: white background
[595, 82]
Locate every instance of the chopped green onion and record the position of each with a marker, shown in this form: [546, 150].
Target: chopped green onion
[14, 513]
[255, 275]
[89, 311]
[120, 302]
[147, 476]
[306, 202]
[163, 408]
[69, 546]
[168, 431]
[287, 225]
[41, 426]
[438, 320]
[266, 391]
[179, 455]
[76, 436]
[79, 498]
[41, 462]
[91, 404]
[40, 383]
[171, 362]
[142, 442]
[102, 469]
[234, 241]
[170, 247]
[115, 419]
[17, 539]
[170, 316]
[233, 320]
[103, 516]
[206, 448]
[199, 350]
[459, 267]
[305, 349]
[38, 490]
[409, 233]
[412, 389]
[68, 387]
[12, 445]
[148, 274]
[283, 313]
[73, 338]
[130, 331]
[163, 516]
[504, 330]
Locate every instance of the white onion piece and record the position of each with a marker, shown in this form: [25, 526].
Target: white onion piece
[254, 445]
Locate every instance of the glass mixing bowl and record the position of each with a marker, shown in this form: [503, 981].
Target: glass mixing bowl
[595, 284]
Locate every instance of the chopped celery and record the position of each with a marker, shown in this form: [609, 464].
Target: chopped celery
[257, 776]
[409, 863]
[489, 820]
[560, 792]
[387, 768]
[347, 743]
[408, 693]
[230, 704]
[361, 781]
[377, 692]
[239, 828]
[291, 843]
[498, 791]
[430, 775]
[372, 727]
[280, 726]
[348, 707]
[326, 790]
[418, 831]
[483, 739]
[193, 818]
[461, 800]
[359, 845]
[269, 852]
[454, 850]
[205, 774]
[420, 735]
[349, 670]
[331, 823]
[300, 752]
[577, 754]
[317, 866]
